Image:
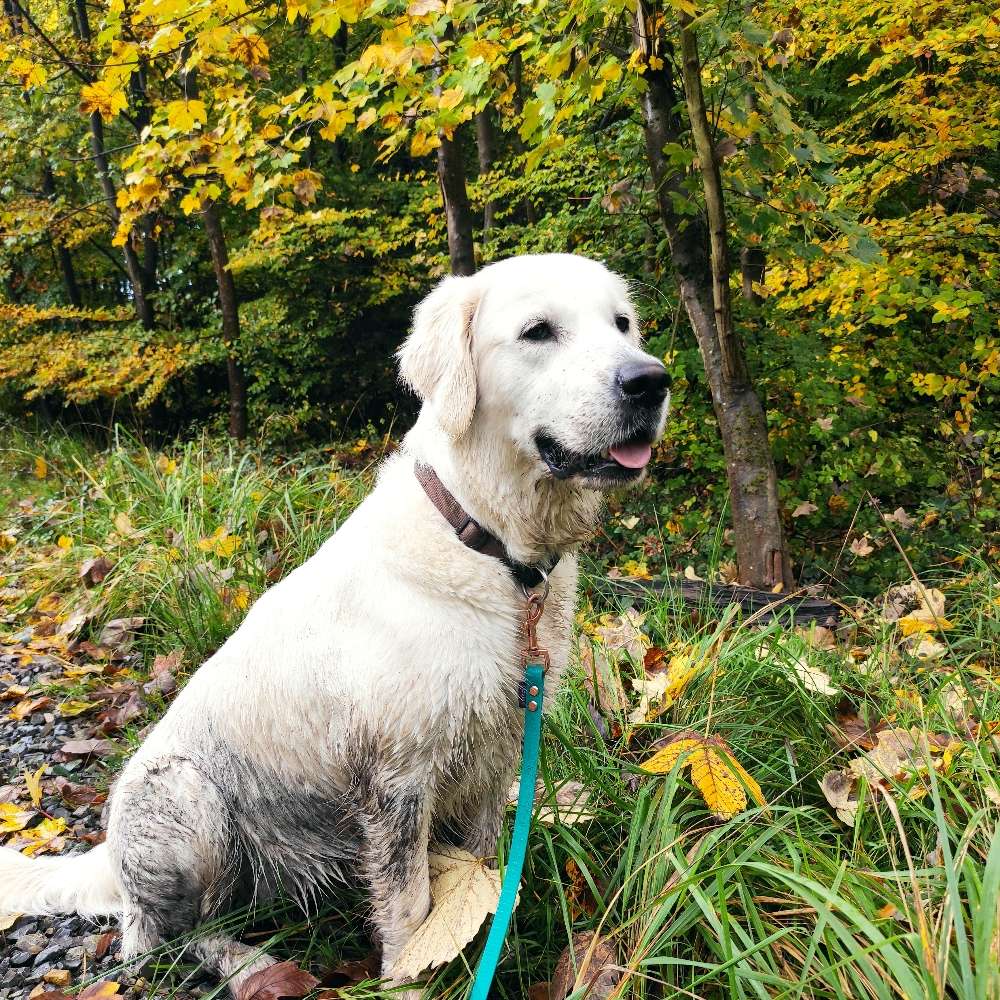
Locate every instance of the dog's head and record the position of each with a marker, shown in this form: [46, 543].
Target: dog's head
[541, 353]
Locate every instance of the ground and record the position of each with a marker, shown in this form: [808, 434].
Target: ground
[732, 807]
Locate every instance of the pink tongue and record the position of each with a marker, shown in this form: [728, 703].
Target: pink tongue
[632, 456]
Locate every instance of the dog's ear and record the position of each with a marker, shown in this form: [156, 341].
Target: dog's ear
[435, 361]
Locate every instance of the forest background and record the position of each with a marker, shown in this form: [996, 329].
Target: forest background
[219, 214]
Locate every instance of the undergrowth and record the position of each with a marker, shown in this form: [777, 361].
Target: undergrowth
[784, 899]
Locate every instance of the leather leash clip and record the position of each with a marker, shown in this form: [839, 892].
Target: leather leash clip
[533, 654]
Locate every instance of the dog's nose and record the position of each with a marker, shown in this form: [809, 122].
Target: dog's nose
[644, 382]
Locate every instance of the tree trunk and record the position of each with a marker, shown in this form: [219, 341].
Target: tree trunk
[516, 72]
[700, 260]
[486, 147]
[753, 261]
[451, 177]
[143, 307]
[229, 308]
[63, 255]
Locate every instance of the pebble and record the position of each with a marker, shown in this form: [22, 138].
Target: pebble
[32, 943]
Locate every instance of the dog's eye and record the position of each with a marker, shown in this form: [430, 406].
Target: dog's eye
[621, 321]
[539, 332]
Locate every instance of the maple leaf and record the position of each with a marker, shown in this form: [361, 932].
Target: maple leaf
[40, 838]
[862, 546]
[463, 893]
[283, 979]
[250, 49]
[186, 115]
[715, 771]
[103, 98]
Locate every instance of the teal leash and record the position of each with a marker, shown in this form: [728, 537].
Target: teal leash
[536, 662]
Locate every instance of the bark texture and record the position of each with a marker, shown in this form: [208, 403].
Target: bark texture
[699, 254]
[451, 177]
[486, 147]
[229, 309]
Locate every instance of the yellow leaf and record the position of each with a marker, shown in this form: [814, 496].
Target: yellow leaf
[13, 818]
[7, 541]
[748, 780]
[713, 777]
[420, 8]
[39, 838]
[76, 707]
[166, 466]
[366, 118]
[33, 781]
[451, 98]
[663, 761]
[28, 73]
[423, 143]
[250, 49]
[185, 115]
[41, 468]
[101, 97]
[65, 542]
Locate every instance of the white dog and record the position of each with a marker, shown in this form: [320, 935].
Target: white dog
[369, 701]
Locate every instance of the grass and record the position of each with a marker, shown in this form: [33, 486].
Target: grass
[779, 901]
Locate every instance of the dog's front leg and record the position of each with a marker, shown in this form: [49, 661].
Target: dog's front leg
[481, 831]
[396, 833]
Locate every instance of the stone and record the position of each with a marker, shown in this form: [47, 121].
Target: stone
[58, 977]
[32, 943]
[19, 958]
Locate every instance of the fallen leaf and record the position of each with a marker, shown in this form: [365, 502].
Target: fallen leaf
[41, 468]
[104, 943]
[590, 963]
[58, 977]
[124, 526]
[600, 678]
[99, 991]
[33, 781]
[715, 771]
[75, 707]
[569, 805]
[862, 546]
[900, 517]
[119, 633]
[839, 789]
[14, 818]
[84, 748]
[28, 707]
[463, 893]
[283, 979]
[167, 662]
[94, 571]
[824, 423]
[15, 692]
[912, 599]
[352, 973]
[804, 509]
[812, 678]
[690, 574]
[40, 838]
[7, 920]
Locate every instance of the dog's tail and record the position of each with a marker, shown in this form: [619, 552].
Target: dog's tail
[81, 883]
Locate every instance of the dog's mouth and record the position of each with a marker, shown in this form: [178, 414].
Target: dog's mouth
[619, 463]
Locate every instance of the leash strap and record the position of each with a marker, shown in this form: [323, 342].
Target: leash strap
[534, 681]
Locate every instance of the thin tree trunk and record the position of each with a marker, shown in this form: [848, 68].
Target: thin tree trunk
[141, 301]
[699, 258]
[516, 74]
[753, 262]
[451, 177]
[228, 301]
[486, 147]
[143, 306]
[229, 308]
[63, 255]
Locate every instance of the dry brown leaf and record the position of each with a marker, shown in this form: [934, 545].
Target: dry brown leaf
[862, 546]
[119, 633]
[283, 979]
[812, 678]
[29, 706]
[804, 509]
[84, 748]
[590, 962]
[7, 920]
[94, 571]
[839, 787]
[463, 893]
[600, 678]
[569, 805]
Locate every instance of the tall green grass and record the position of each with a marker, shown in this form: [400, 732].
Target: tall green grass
[782, 901]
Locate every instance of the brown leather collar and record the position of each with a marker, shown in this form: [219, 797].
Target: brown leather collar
[473, 534]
